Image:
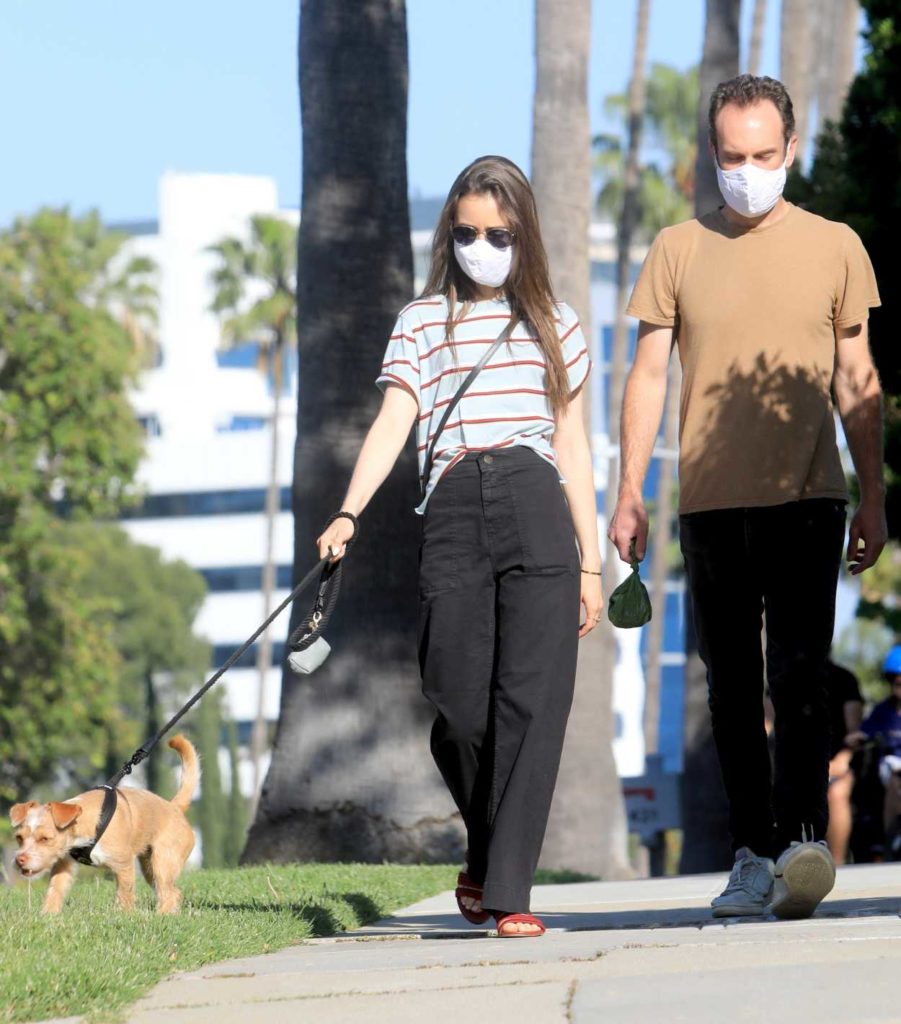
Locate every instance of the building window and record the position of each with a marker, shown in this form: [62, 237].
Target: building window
[235, 578]
[238, 357]
[242, 423]
[150, 424]
[222, 652]
[206, 503]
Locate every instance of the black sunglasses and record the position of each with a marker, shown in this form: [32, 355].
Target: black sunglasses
[500, 238]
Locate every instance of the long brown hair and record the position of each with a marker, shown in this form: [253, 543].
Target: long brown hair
[528, 287]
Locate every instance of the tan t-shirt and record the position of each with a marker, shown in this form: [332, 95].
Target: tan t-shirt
[755, 312]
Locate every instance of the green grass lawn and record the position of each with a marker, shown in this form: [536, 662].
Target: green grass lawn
[93, 960]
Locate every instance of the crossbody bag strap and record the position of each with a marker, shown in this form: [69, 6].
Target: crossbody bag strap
[470, 377]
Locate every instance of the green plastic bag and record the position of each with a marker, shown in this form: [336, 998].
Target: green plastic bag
[629, 605]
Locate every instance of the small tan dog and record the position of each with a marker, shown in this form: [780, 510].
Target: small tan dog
[144, 825]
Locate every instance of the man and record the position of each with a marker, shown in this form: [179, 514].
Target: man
[884, 725]
[768, 305]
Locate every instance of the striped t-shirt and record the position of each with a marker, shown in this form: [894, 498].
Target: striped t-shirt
[507, 404]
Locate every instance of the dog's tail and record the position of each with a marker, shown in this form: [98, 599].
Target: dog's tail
[190, 771]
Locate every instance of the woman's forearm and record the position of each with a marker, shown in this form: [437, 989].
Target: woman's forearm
[574, 459]
[383, 444]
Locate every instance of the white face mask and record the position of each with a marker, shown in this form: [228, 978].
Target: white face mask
[750, 190]
[483, 263]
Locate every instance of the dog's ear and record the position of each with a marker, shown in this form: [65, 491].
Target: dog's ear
[19, 812]
[63, 814]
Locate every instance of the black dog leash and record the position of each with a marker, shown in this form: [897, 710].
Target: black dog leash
[325, 602]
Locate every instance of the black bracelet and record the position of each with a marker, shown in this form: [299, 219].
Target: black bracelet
[344, 515]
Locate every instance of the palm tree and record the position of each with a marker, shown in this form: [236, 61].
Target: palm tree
[756, 47]
[796, 63]
[837, 33]
[719, 62]
[704, 813]
[263, 267]
[126, 287]
[587, 829]
[665, 196]
[350, 776]
[628, 218]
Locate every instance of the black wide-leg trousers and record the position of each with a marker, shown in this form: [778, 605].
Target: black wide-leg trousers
[780, 562]
[499, 594]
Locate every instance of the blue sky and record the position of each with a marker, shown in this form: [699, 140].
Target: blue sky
[102, 97]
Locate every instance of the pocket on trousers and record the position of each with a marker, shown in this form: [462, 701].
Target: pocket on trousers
[544, 520]
[439, 550]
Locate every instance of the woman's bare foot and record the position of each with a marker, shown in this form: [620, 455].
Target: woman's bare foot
[518, 926]
[469, 899]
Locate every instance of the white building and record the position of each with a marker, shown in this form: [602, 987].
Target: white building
[206, 414]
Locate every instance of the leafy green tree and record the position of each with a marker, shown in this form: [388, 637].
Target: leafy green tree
[211, 808]
[236, 832]
[149, 606]
[854, 179]
[254, 285]
[67, 435]
[665, 193]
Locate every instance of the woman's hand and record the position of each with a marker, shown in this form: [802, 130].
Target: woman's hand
[333, 541]
[592, 602]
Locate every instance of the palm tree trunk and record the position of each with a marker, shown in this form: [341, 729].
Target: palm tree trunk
[837, 31]
[757, 27]
[661, 536]
[351, 777]
[152, 766]
[259, 736]
[719, 63]
[796, 60]
[627, 221]
[705, 845]
[587, 825]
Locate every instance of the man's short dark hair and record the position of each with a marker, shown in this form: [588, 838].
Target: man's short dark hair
[744, 91]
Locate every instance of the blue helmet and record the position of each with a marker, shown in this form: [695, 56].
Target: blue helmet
[892, 664]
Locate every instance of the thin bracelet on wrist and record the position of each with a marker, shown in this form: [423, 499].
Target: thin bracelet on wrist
[590, 572]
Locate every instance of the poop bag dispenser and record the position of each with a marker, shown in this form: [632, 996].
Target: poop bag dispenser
[308, 647]
[629, 605]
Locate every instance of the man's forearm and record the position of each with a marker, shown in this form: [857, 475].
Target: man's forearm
[643, 403]
[861, 415]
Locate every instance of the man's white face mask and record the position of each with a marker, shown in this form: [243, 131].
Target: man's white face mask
[750, 190]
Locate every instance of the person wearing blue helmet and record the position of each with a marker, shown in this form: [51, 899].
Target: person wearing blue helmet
[884, 722]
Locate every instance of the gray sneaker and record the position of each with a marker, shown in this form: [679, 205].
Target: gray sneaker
[749, 889]
[805, 873]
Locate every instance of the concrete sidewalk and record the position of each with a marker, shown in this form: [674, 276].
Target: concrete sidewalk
[615, 952]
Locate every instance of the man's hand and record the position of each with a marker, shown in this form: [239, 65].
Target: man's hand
[867, 536]
[630, 520]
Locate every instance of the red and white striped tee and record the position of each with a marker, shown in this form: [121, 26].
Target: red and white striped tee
[507, 404]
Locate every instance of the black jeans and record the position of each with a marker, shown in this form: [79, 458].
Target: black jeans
[781, 561]
[499, 596]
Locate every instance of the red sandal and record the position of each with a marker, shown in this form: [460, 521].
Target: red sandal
[467, 888]
[529, 919]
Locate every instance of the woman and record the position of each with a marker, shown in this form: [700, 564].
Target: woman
[506, 560]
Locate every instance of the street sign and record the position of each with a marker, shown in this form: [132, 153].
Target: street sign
[652, 800]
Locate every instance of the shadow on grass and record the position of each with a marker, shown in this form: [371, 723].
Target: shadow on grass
[323, 920]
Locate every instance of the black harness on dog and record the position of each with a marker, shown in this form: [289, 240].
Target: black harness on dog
[110, 801]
